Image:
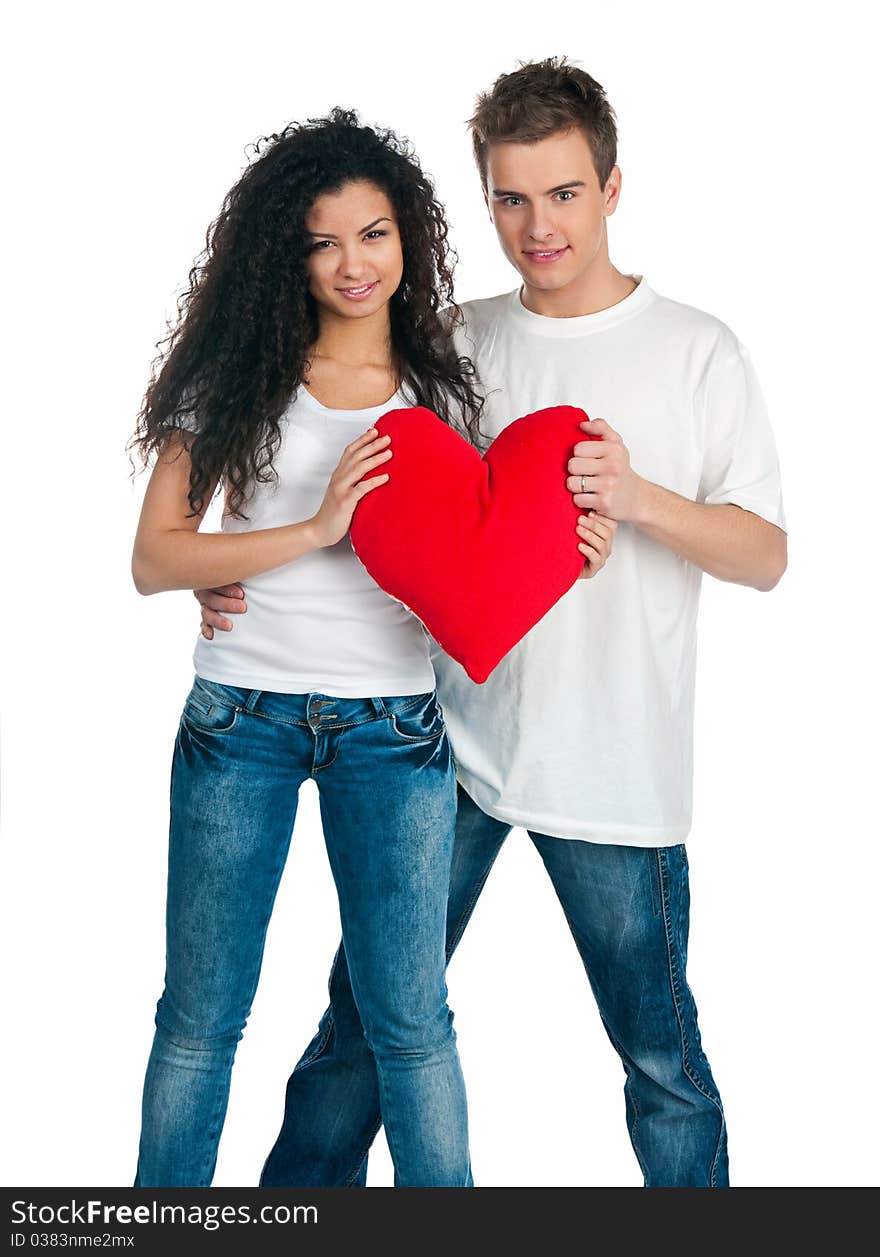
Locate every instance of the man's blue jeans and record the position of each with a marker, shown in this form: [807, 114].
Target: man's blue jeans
[386, 783]
[627, 908]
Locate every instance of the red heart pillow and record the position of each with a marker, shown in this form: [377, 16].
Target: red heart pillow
[479, 548]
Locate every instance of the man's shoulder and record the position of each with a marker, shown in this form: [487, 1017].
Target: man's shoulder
[485, 309]
[662, 317]
[471, 318]
[689, 323]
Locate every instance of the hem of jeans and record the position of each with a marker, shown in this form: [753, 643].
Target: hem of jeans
[695, 1081]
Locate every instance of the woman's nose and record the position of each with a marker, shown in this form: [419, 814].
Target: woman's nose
[352, 264]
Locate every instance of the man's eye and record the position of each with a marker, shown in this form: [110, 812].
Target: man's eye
[567, 194]
[512, 200]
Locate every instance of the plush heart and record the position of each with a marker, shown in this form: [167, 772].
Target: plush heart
[480, 548]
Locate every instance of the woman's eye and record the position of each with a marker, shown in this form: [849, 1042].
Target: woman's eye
[319, 244]
[372, 235]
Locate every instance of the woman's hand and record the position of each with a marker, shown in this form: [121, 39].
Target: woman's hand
[347, 486]
[596, 533]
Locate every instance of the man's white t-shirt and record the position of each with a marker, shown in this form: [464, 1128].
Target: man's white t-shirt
[585, 729]
[319, 624]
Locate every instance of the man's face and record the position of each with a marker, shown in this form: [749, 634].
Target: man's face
[548, 209]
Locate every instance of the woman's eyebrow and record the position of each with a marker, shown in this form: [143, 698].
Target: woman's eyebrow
[328, 235]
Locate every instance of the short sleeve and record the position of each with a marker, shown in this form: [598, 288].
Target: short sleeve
[740, 462]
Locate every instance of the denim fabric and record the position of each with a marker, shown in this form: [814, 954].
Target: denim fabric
[627, 908]
[386, 784]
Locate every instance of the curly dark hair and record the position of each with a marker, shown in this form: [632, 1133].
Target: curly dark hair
[246, 323]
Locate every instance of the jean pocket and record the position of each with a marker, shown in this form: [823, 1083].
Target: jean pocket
[210, 707]
[419, 721]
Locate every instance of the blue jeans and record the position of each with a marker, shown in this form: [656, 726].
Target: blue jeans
[386, 784]
[627, 908]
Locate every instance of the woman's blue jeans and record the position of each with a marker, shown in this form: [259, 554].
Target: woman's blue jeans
[385, 777]
[627, 908]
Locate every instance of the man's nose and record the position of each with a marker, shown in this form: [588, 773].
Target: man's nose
[541, 229]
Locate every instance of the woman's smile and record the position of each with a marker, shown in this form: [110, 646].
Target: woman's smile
[359, 293]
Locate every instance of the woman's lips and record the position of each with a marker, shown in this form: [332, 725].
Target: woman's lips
[358, 293]
[543, 256]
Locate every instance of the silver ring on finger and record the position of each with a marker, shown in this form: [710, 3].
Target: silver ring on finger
[583, 484]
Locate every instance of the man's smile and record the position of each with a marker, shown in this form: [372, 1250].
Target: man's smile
[545, 255]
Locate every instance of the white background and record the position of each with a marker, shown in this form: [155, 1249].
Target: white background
[748, 154]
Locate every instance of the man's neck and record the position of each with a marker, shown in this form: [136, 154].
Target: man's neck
[595, 290]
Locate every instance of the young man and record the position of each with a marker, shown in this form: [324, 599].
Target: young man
[594, 759]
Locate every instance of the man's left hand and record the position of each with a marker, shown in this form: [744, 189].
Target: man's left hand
[602, 469]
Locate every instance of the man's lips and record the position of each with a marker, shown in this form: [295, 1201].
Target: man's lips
[545, 255]
[357, 293]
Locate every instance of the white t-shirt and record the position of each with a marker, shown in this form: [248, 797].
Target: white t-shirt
[320, 623]
[585, 729]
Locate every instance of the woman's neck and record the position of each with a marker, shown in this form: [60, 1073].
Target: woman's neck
[355, 342]
[351, 366]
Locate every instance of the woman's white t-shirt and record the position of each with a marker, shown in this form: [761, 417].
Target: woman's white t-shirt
[319, 624]
[585, 729]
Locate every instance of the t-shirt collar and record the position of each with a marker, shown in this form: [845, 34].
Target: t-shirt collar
[582, 324]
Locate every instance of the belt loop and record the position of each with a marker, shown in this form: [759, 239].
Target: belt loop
[252, 700]
[379, 707]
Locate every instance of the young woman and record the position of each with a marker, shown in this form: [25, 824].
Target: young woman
[313, 310]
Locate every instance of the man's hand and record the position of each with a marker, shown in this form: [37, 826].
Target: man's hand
[596, 533]
[600, 476]
[228, 598]
[723, 539]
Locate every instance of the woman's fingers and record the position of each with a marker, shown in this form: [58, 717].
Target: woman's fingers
[368, 464]
[356, 459]
[360, 447]
[363, 439]
[365, 486]
[370, 443]
[371, 450]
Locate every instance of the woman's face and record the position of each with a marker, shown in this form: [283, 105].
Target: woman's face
[355, 262]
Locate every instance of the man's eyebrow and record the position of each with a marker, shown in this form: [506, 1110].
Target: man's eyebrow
[328, 235]
[560, 187]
